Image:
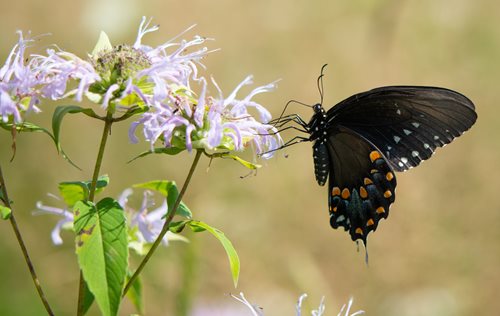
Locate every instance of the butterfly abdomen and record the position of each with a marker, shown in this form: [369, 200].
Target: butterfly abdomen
[321, 162]
[317, 127]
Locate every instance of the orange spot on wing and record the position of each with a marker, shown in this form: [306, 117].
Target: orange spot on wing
[368, 181]
[346, 194]
[363, 193]
[374, 155]
[359, 231]
[389, 176]
[335, 191]
[380, 210]
[387, 194]
[370, 222]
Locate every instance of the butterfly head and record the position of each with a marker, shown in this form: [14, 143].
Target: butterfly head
[318, 108]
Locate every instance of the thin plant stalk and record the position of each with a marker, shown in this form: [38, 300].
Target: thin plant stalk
[21, 243]
[165, 228]
[105, 133]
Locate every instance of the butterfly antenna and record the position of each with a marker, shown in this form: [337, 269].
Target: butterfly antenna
[320, 83]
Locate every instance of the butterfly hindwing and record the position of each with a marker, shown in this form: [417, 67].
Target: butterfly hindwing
[361, 186]
[406, 123]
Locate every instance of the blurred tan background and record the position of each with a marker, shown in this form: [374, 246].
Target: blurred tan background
[437, 254]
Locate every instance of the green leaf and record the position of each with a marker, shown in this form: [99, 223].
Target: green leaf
[177, 227]
[25, 127]
[247, 164]
[135, 293]
[234, 260]
[169, 190]
[19, 128]
[88, 298]
[162, 150]
[5, 212]
[57, 118]
[101, 248]
[135, 110]
[72, 192]
[103, 44]
[226, 155]
[75, 191]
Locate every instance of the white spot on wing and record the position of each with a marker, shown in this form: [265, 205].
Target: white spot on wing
[404, 160]
[426, 146]
[415, 153]
[398, 111]
[407, 132]
[341, 218]
[436, 137]
[415, 124]
[397, 139]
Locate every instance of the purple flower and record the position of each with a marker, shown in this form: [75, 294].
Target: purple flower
[144, 226]
[65, 222]
[20, 83]
[124, 75]
[210, 123]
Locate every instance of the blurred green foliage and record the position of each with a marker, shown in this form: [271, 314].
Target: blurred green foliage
[437, 254]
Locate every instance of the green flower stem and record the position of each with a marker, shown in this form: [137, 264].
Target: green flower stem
[20, 241]
[168, 220]
[105, 133]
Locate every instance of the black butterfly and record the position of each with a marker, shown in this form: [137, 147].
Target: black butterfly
[360, 142]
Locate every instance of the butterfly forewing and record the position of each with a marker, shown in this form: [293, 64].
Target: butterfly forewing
[406, 123]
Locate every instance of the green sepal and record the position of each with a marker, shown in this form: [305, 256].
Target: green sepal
[103, 44]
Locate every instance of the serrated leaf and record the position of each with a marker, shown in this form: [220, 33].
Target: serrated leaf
[234, 260]
[135, 293]
[101, 248]
[5, 212]
[103, 44]
[169, 190]
[162, 150]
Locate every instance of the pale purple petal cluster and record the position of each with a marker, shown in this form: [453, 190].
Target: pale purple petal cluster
[20, 83]
[149, 223]
[162, 67]
[212, 123]
[62, 67]
[67, 218]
